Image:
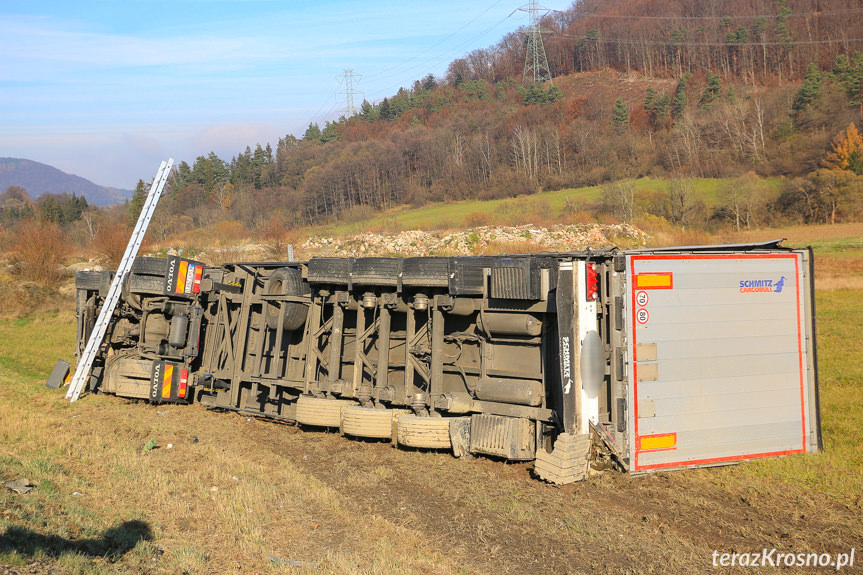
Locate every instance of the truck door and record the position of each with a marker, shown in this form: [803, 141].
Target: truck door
[720, 357]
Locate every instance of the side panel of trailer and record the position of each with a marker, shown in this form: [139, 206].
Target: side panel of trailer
[720, 358]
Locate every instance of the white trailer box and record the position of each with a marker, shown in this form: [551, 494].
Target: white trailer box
[719, 356]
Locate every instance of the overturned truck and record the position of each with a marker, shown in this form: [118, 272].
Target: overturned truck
[642, 359]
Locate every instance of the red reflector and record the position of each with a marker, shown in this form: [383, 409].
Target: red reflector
[592, 282]
[196, 286]
[184, 381]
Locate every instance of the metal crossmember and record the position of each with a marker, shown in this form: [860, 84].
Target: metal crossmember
[85, 362]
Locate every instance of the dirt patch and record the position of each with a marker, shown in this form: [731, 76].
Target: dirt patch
[495, 517]
[233, 492]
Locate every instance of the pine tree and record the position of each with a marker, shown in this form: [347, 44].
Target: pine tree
[385, 110]
[313, 132]
[678, 106]
[620, 116]
[660, 107]
[849, 73]
[809, 91]
[711, 91]
[136, 204]
[553, 94]
[368, 112]
[330, 132]
[649, 100]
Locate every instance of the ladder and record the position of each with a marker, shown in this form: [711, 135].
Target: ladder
[85, 362]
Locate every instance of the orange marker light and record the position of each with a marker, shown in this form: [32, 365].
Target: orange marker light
[662, 441]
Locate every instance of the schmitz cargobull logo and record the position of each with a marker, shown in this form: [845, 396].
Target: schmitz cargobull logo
[762, 286]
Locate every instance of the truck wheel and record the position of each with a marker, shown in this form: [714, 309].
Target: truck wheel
[427, 432]
[148, 266]
[88, 280]
[152, 285]
[136, 285]
[368, 422]
[285, 281]
[321, 412]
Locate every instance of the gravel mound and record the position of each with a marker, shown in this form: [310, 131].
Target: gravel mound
[486, 239]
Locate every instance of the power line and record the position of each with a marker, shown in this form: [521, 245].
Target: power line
[318, 113]
[318, 116]
[725, 17]
[435, 45]
[724, 44]
[448, 57]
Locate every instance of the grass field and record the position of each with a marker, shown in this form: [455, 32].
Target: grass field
[222, 493]
[550, 204]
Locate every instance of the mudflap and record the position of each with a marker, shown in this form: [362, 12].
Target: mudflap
[169, 382]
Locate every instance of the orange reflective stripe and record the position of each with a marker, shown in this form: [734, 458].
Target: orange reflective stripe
[167, 380]
[181, 276]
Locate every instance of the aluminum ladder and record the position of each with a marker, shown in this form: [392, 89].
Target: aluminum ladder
[85, 362]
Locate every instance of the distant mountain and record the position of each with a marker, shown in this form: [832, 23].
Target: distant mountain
[40, 179]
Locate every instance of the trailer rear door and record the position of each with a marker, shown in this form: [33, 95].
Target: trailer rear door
[720, 358]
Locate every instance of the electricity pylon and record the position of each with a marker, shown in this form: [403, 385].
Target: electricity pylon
[348, 80]
[535, 60]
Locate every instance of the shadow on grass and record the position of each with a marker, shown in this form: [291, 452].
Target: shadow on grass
[116, 542]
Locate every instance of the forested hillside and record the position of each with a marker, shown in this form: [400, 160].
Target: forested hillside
[739, 89]
[752, 41]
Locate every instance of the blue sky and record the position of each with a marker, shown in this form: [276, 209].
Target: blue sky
[107, 89]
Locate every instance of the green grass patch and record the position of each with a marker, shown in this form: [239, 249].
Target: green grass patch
[547, 205]
[837, 247]
[30, 346]
[838, 471]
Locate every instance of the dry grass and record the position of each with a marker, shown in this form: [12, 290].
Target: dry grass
[662, 234]
[216, 501]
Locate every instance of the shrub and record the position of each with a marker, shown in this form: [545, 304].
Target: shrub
[477, 219]
[276, 236]
[111, 242]
[39, 251]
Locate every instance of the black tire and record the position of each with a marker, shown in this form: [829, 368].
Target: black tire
[152, 285]
[135, 286]
[376, 271]
[429, 271]
[329, 270]
[147, 266]
[88, 280]
[285, 281]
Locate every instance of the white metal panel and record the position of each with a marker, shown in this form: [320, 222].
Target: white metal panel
[728, 377]
[587, 322]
